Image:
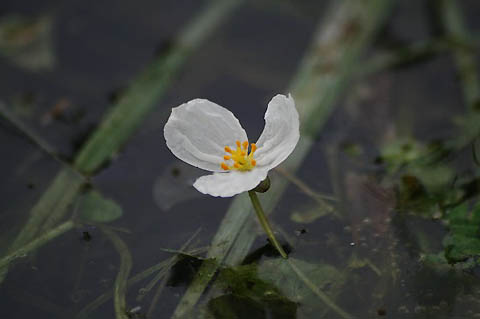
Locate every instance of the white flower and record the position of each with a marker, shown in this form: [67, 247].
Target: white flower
[210, 137]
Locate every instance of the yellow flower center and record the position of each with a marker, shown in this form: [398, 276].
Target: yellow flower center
[242, 160]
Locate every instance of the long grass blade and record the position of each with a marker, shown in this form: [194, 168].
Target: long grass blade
[162, 266]
[37, 243]
[120, 285]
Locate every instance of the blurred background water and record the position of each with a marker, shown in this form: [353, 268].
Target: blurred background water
[378, 249]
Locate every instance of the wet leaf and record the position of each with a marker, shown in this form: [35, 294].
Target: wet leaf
[418, 160]
[247, 294]
[424, 181]
[96, 208]
[400, 152]
[434, 177]
[463, 242]
[325, 277]
[434, 259]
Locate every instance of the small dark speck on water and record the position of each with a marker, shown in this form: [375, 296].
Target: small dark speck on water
[86, 236]
[176, 172]
[378, 160]
[381, 312]
[300, 232]
[250, 284]
[476, 105]
[30, 185]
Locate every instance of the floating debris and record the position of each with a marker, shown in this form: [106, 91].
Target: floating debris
[27, 42]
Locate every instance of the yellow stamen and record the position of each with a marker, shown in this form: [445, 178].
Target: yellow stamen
[242, 159]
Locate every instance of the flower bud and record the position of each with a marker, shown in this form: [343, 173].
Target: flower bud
[263, 186]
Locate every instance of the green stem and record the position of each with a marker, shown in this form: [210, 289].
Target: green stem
[121, 281]
[264, 222]
[165, 265]
[40, 241]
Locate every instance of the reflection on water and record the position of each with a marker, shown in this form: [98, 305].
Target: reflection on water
[381, 220]
[174, 185]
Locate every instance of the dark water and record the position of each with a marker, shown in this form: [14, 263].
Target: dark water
[375, 257]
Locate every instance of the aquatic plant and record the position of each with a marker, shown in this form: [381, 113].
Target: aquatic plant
[208, 136]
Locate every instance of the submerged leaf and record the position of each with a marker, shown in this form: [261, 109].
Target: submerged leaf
[424, 181]
[248, 295]
[96, 208]
[419, 160]
[401, 152]
[237, 306]
[434, 177]
[325, 277]
[27, 42]
[463, 242]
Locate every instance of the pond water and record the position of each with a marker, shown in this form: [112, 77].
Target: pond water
[379, 206]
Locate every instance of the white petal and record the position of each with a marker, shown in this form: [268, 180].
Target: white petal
[231, 183]
[198, 131]
[281, 132]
